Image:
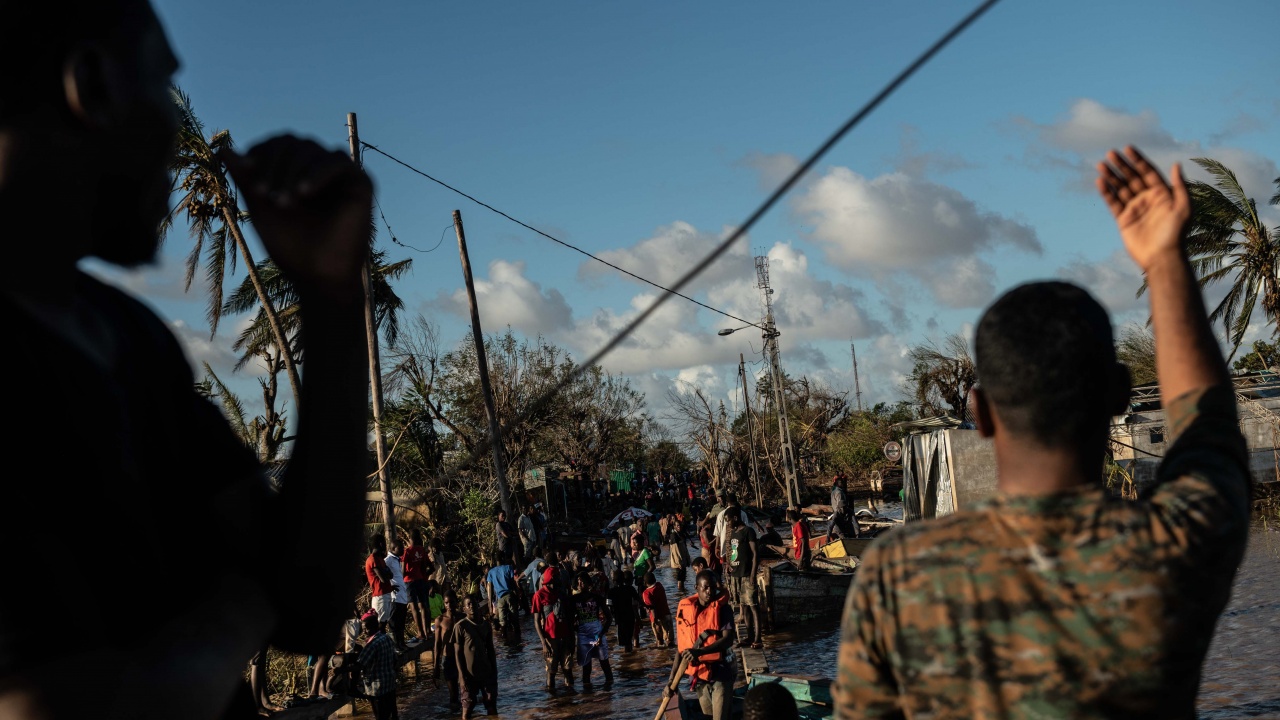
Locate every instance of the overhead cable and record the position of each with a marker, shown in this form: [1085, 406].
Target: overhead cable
[571, 246]
[792, 179]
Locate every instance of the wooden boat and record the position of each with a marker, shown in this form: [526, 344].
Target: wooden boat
[812, 696]
[796, 595]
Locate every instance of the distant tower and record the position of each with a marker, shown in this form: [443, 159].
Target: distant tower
[779, 395]
[857, 387]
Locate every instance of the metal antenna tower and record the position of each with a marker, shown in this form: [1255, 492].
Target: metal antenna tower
[857, 387]
[775, 368]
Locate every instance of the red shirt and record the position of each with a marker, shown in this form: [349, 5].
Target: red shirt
[415, 563]
[556, 623]
[800, 535]
[375, 582]
[655, 597]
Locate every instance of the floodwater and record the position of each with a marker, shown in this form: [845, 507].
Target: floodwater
[1241, 674]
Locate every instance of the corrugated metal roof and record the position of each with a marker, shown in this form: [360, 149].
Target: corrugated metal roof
[941, 422]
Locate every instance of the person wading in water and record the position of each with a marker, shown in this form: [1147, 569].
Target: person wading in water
[1056, 598]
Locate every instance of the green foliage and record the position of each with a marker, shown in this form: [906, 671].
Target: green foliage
[1228, 241]
[1136, 348]
[856, 447]
[1263, 356]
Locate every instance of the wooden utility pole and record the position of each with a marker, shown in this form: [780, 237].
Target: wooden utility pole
[857, 386]
[375, 365]
[482, 361]
[751, 433]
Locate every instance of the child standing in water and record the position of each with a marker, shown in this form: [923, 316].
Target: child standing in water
[442, 651]
[476, 658]
[593, 624]
[655, 599]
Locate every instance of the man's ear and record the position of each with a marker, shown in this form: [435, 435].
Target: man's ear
[88, 89]
[1119, 388]
[982, 414]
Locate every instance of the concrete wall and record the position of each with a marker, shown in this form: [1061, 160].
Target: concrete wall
[1147, 433]
[973, 467]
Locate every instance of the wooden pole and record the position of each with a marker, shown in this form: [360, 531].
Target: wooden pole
[746, 403]
[375, 366]
[482, 361]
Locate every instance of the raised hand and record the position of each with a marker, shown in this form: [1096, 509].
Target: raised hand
[312, 208]
[1150, 213]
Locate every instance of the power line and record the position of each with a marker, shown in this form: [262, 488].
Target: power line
[792, 179]
[527, 226]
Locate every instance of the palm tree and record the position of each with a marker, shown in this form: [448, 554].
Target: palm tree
[263, 434]
[209, 204]
[282, 295]
[1228, 241]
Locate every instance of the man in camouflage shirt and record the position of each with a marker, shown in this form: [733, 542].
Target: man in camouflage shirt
[1056, 599]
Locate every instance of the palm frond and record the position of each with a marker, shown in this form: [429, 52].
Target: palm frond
[1226, 181]
[232, 408]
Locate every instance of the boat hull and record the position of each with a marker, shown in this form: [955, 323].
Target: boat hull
[799, 596]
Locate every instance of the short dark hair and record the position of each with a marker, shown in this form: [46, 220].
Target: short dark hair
[707, 575]
[650, 578]
[1045, 358]
[769, 701]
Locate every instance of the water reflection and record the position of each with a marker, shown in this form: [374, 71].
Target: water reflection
[1241, 674]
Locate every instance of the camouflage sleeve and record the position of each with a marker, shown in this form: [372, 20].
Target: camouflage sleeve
[1202, 495]
[864, 686]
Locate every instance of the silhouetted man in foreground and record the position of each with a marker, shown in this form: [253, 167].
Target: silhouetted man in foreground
[119, 446]
[1055, 598]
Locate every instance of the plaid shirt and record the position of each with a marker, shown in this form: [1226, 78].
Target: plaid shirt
[378, 665]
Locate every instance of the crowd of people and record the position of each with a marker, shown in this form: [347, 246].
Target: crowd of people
[1054, 599]
[582, 601]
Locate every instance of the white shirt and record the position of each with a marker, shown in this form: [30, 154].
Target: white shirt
[722, 529]
[528, 535]
[397, 578]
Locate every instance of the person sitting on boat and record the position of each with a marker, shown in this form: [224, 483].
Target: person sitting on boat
[704, 638]
[1056, 597]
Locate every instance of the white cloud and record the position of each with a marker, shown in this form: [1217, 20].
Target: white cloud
[507, 297]
[670, 253]
[1081, 138]
[199, 348]
[897, 226]
[1114, 281]
[771, 168]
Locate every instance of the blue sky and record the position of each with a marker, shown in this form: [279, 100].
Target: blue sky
[643, 131]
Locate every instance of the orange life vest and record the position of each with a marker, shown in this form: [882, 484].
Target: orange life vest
[698, 627]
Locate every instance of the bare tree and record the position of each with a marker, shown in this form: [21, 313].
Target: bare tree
[691, 414]
[941, 376]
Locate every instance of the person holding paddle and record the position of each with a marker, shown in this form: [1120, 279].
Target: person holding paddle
[704, 638]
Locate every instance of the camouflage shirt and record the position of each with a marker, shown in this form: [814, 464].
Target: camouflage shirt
[1073, 605]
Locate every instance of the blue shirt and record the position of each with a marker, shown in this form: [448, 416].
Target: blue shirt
[501, 578]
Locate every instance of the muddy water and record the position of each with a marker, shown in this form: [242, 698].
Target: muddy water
[1241, 673]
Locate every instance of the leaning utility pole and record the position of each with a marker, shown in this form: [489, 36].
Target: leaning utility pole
[375, 366]
[482, 362]
[779, 394]
[751, 433]
[857, 388]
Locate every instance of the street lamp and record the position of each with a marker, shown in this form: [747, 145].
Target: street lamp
[730, 331]
[769, 331]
